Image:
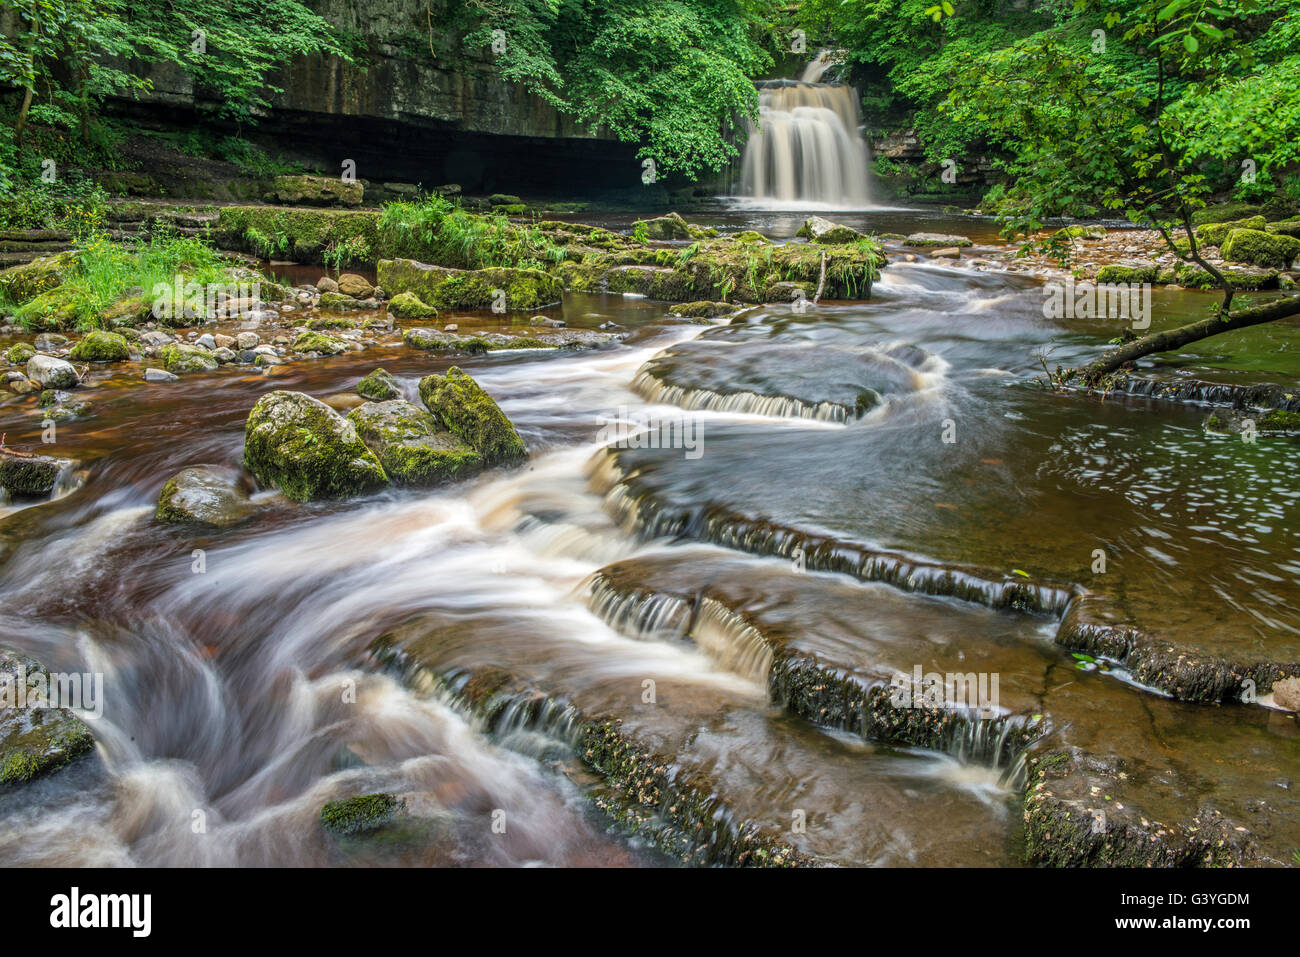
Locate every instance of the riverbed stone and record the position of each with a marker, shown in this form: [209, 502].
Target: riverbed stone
[461, 405]
[29, 475]
[317, 342]
[248, 340]
[51, 372]
[1286, 694]
[407, 305]
[1260, 248]
[20, 352]
[159, 375]
[410, 445]
[35, 739]
[179, 358]
[939, 240]
[101, 346]
[358, 287]
[204, 495]
[379, 385]
[51, 342]
[307, 450]
[820, 230]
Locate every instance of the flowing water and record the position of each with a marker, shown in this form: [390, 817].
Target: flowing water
[806, 149]
[243, 696]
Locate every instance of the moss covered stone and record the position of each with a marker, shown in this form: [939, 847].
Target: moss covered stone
[101, 346]
[703, 309]
[671, 226]
[1278, 420]
[35, 739]
[23, 283]
[819, 230]
[1115, 273]
[469, 413]
[204, 495]
[432, 340]
[307, 450]
[1259, 248]
[356, 815]
[410, 445]
[338, 302]
[179, 358]
[378, 386]
[20, 352]
[29, 475]
[407, 305]
[303, 190]
[317, 342]
[496, 288]
[1213, 234]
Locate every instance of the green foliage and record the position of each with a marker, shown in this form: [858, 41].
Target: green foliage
[436, 230]
[672, 75]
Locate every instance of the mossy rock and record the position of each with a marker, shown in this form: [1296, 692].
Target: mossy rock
[442, 288]
[315, 191]
[356, 815]
[307, 450]
[1278, 420]
[127, 312]
[338, 302]
[703, 309]
[23, 283]
[410, 446]
[431, 340]
[469, 413]
[752, 236]
[379, 386]
[37, 739]
[1225, 213]
[19, 353]
[1080, 231]
[1114, 273]
[1287, 227]
[819, 230]
[671, 226]
[407, 305]
[100, 346]
[30, 475]
[504, 199]
[1259, 248]
[1213, 234]
[316, 342]
[331, 322]
[204, 495]
[179, 358]
[54, 309]
[1194, 277]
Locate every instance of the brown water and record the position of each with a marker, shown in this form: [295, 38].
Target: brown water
[226, 689]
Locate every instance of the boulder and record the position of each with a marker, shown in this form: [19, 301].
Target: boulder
[307, 450]
[179, 358]
[443, 288]
[37, 738]
[358, 287]
[159, 375]
[204, 495]
[29, 475]
[407, 305]
[1260, 248]
[316, 342]
[301, 190]
[341, 303]
[326, 284]
[51, 373]
[819, 230]
[100, 346]
[410, 446]
[671, 226]
[378, 386]
[51, 342]
[940, 240]
[468, 412]
[1213, 234]
[1286, 694]
[19, 353]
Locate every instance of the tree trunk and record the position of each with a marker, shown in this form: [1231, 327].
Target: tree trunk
[1093, 372]
[22, 121]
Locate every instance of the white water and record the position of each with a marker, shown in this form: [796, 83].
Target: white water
[806, 149]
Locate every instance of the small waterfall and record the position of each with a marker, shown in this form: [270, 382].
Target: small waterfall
[806, 147]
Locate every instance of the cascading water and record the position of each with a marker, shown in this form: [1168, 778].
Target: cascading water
[806, 147]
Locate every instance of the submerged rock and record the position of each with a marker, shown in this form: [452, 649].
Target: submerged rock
[410, 446]
[34, 738]
[468, 412]
[204, 495]
[51, 373]
[379, 385]
[307, 450]
[100, 346]
[32, 475]
[366, 812]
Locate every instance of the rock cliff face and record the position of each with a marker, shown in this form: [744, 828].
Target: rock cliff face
[414, 108]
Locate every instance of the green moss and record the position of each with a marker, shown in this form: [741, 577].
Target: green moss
[1259, 248]
[338, 302]
[1225, 213]
[378, 386]
[702, 309]
[23, 283]
[407, 305]
[410, 446]
[1213, 234]
[317, 342]
[442, 288]
[180, 358]
[356, 815]
[469, 413]
[1278, 420]
[20, 352]
[1127, 274]
[307, 450]
[331, 322]
[99, 346]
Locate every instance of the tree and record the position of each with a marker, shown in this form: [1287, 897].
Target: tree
[1124, 122]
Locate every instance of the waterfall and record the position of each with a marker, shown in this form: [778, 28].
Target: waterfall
[806, 147]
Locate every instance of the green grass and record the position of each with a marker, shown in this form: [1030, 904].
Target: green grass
[436, 230]
[106, 271]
